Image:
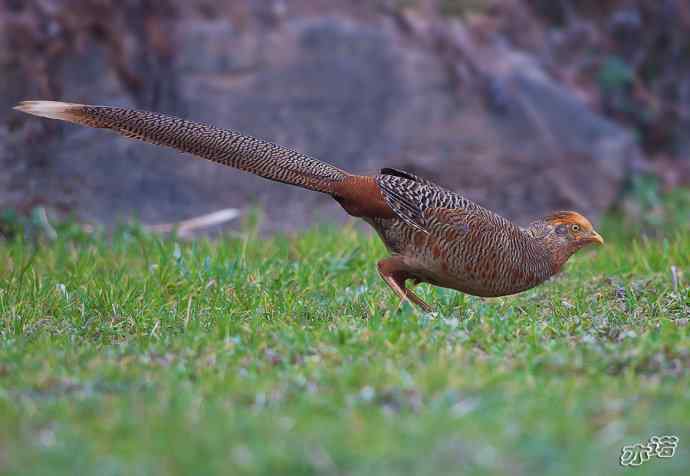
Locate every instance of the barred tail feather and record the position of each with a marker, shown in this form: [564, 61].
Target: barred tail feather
[222, 146]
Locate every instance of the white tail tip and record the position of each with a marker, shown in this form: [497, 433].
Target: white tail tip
[62, 111]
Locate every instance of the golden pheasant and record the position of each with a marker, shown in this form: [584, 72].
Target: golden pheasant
[433, 234]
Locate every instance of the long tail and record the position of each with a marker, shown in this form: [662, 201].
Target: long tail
[217, 145]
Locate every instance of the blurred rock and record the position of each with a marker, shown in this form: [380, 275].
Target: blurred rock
[338, 80]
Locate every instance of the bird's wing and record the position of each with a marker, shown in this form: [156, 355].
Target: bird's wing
[451, 224]
[407, 175]
[411, 197]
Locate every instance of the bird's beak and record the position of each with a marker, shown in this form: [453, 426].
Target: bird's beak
[596, 238]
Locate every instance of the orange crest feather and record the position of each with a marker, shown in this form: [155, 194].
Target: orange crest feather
[569, 218]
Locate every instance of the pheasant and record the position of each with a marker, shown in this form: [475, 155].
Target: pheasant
[433, 235]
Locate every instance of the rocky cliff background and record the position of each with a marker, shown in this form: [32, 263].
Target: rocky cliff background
[525, 106]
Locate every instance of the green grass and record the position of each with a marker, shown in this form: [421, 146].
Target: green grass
[139, 355]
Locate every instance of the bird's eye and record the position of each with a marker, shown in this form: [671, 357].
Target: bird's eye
[575, 227]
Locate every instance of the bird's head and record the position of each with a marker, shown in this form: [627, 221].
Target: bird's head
[564, 233]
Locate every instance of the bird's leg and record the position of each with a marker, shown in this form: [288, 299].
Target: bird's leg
[412, 296]
[395, 273]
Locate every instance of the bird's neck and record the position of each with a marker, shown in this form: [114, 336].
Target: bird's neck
[553, 252]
